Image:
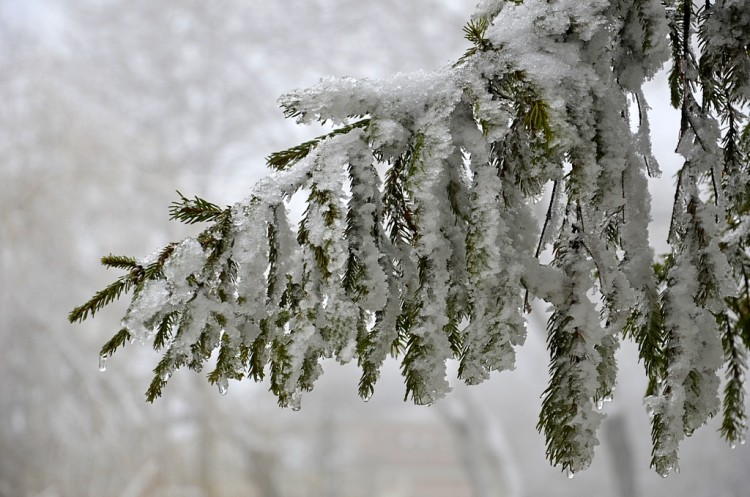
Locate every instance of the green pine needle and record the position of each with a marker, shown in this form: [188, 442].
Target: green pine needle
[196, 210]
[536, 118]
[119, 262]
[370, 366]
[286, 158]
[137, 275]
[734, 417]
[101, 299]
[165, 331]
[416, 385]
[155, 388]
[475, 32]
[281, 365]
[225, 363]
[259, 353]
[119, 340]
[162, 372]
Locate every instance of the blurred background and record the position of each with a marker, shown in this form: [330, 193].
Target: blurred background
[109, 106]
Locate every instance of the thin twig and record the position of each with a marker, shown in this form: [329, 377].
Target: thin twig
[542, 236]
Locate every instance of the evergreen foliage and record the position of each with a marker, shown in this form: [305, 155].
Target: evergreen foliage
[419, 239]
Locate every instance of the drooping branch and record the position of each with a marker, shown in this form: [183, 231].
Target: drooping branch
[419, 238]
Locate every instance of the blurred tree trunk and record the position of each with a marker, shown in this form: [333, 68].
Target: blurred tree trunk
[483, 448]
[620, 448]
[206, 446]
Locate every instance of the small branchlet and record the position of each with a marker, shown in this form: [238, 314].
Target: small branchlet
[196, 210]
[164, 332]
[476, 32]
[536, 118]
[734, 417]
[162, 372]
[137, 275]
[119, 340]
[103, 297]
[119, 262]
[417, 350]
[226, 363]
[284, 159]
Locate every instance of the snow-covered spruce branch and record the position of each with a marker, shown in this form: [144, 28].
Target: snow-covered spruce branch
[419, 239]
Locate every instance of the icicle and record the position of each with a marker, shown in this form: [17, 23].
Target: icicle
[295, 401]
[102, 363]
[223, 385]
[603, 400]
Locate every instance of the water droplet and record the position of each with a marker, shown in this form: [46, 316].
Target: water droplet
[367, 397]
[166, 376]
[571, 474]
[102, 363]
[296, 407]
[742, 441]
[223, 387]
[733, 446]
[665, 469]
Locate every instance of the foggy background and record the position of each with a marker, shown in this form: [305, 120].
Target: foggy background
[106, 108]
